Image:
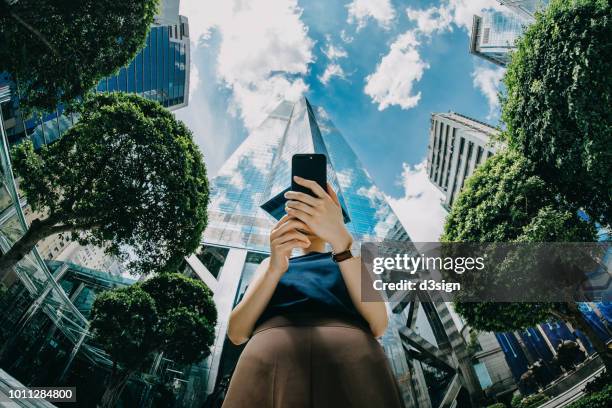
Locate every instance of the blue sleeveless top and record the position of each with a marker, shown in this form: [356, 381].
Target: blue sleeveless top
[312, 284]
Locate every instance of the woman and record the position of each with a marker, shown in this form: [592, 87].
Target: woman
[312, 340]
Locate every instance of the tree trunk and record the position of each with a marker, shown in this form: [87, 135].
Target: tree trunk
[37, 231]
[579, 319]
[116, 384]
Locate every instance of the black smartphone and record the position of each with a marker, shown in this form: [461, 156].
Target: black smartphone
[310, 167]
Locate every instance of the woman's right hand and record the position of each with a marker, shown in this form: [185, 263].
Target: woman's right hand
[284, 238]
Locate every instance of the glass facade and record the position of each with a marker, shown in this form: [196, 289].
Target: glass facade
[258, 171]
[525, 8]
[158, 72]
[494, 35]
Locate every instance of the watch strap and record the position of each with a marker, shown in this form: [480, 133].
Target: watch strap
[342, 256]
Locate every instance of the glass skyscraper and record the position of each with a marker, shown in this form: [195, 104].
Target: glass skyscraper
[494, 35]
[426, 352]
[526, 9]
[160, 70]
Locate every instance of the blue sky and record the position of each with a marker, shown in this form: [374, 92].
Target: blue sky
[379, 67]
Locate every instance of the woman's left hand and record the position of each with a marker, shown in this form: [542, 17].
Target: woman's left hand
[322, 214]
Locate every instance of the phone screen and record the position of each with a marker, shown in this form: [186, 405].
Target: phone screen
[310, 167]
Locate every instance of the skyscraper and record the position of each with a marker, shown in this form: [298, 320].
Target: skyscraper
[494, 35]
[526, 9]
[426, 352]
[160, 70]
[457, 145]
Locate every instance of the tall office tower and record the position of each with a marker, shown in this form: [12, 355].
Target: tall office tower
[494, 35]
[160, 71]
[457, 145]
[526, 9]
[427, 353]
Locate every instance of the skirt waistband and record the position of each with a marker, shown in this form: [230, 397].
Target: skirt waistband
[310, 320]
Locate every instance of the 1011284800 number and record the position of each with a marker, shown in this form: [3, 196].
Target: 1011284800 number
[50, 394]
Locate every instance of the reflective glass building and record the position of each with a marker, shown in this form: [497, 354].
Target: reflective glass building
[494, 35]
[427, 353]
[526, 9]
[160, 70]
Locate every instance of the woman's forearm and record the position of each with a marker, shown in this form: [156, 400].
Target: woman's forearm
[375, 313]
[244, 316]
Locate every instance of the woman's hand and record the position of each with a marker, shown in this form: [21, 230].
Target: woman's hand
[284, 238]
[322, 214]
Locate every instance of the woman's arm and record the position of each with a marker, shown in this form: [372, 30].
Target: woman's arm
[375, 313]
[283, 239]
[323, 215]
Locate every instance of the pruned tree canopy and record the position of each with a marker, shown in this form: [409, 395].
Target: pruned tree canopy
[127, 177]
[557, 107]
[504, 201]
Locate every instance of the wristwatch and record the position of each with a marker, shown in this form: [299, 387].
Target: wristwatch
[342, 256]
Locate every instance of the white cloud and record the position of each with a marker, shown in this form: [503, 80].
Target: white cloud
[263, 54]
[430, 20]
[345, 37]
[420, 209]
[463, 10]
[393, 81]
[332, 70]
[488, 80]
[457, 12]
[402, 67]
[332, 51]
[359, 11]
[333, 54]
[194, 78]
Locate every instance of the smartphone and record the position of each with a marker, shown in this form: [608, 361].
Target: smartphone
[310, 167]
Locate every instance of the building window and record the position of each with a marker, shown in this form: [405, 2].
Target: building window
[213, 258]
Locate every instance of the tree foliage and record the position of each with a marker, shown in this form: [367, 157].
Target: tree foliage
[127, 177]
[559, 93]
[169, 314]
[504, 201]
[57, 50]
[600, 399]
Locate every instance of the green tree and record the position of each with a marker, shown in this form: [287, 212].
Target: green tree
[557, 107]
[57, 50]
[169, 314]
[127, 177]
[505, 202]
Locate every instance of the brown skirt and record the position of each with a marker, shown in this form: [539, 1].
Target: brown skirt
[312, 362]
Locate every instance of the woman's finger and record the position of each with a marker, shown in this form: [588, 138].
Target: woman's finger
[312, 185]
[292, 224]
[291, 235]
[298, 205]
[291, 245]
[282, 221]
[300, 215]
[305, 198]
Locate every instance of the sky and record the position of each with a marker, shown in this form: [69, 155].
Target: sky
[378, 67]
